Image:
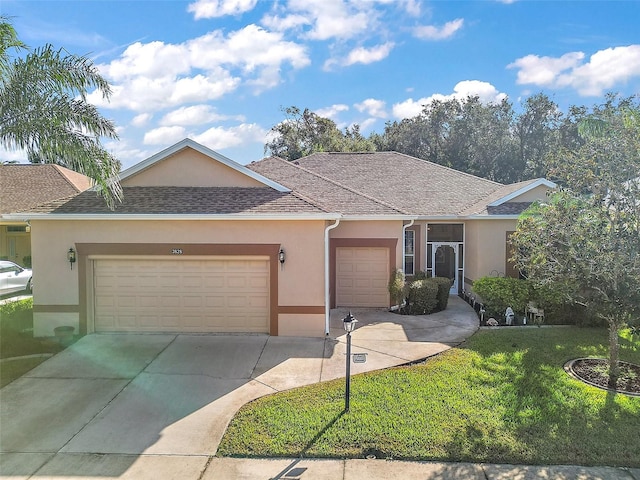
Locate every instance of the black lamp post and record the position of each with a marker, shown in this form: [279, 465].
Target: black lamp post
[349, 323]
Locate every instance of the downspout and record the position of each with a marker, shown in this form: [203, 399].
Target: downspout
[327, 300]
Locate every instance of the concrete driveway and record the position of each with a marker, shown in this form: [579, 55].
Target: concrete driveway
[113, 404]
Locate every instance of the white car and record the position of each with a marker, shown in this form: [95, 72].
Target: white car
[14, 278]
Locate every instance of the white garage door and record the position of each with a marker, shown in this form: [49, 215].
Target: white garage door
[362, 275]
[182, 295]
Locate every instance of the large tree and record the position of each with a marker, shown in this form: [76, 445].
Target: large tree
[585, 240]
[44, 110]
[305, 132]
[465, 134]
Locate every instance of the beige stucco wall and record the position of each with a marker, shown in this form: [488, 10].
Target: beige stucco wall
[538, 193]
[486, 246]
[189, 168]
[372, 229]
[297, 325]
[300, 280]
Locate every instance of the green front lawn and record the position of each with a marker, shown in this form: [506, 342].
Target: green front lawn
[502, 398]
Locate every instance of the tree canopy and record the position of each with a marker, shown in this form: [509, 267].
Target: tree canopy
[585, 240]
[44, 110]
[304, 132]
[490, 140]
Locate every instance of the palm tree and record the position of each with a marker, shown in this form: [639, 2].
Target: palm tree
[44, 111]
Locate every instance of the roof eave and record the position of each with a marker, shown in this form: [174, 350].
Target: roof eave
[167, 217]
[399, 217]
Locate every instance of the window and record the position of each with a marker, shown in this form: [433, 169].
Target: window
[409, 252]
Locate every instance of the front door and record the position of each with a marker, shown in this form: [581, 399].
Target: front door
[445, 262]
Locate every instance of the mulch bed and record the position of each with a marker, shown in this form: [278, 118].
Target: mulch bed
[594, 371]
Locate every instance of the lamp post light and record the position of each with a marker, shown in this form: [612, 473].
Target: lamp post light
[349, 323]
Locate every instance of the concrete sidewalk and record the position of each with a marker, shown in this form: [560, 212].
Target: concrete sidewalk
[196, 467]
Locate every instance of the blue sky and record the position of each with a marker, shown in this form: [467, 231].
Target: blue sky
[219, 71]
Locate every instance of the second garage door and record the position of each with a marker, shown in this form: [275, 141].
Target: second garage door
[182, 295]
[362, 275]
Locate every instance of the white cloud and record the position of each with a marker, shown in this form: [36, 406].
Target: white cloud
[332, 111]
[364, 125]
[10, 155]
[287, 22]
[194, 115]
[250, 48]
[127, 154]
[220, 8]
[156, 75]
[431, 32]
[604, 70]
[412, 7]
[373, 107]
[141, 120]
[328, 19]
[369, 55]
[164, 135]
[154, 60]
[220, 137]
[484, 90]
[544, 71]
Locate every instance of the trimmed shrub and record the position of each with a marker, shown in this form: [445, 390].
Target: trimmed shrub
[396, 287]
[498, 293]
[422, 297]
[444, 287]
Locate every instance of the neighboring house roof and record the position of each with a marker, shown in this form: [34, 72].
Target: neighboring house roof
[24, 186]
[185, 201]
[400, 183]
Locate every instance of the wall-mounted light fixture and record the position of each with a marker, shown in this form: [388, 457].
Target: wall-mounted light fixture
[281, 256]
[71, 256]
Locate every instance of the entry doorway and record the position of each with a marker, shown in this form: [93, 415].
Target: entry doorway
[445, 262]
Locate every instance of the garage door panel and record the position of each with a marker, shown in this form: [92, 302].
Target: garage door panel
[362, 274]
[237, 282]
[210, 281]
[181, 296]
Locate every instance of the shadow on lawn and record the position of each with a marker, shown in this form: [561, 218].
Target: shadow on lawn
[551, 418]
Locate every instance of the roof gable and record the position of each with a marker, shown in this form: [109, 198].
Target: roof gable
[190, 164]
[525, 192]
[24, 186]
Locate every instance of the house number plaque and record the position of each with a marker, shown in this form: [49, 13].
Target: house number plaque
[176, 251]
[359, 358]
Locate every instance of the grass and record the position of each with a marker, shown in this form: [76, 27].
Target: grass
[12, 369]
[16, 339]
[503, 397]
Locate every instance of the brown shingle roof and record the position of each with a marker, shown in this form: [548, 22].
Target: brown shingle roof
[329, 195]
[24, 186]
[405, 183]
[186, 201]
